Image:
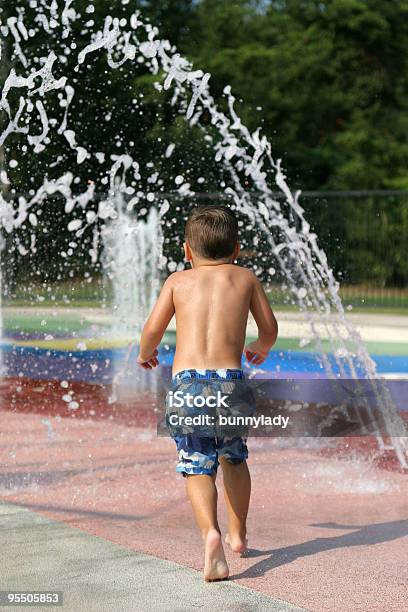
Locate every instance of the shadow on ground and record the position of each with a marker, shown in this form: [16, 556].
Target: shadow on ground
[361, 535]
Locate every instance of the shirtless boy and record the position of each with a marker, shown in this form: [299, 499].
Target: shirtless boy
[211, 302]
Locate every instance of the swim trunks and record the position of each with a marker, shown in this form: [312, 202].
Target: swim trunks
[200, 454]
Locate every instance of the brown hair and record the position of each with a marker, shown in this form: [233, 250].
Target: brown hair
[212, 232]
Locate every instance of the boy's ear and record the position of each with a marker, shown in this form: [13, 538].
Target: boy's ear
[236, 251]
[188, 256]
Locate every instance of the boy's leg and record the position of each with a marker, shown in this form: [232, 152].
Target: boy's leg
[202, 493]
[237, 492]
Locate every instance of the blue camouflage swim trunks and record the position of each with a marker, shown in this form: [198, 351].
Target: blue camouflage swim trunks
[200, 454]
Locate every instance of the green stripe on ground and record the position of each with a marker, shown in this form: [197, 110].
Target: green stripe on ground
[46, 323]
[374, 348]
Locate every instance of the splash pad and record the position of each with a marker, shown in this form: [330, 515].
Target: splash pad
[78, 429]
[109, 211]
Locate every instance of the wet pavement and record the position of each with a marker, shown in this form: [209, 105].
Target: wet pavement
[326, 532]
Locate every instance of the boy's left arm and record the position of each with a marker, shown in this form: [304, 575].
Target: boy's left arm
[155, 327]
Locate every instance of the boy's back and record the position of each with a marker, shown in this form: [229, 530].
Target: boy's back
[211, 305]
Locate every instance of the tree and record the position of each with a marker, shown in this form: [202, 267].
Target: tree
[326, 79]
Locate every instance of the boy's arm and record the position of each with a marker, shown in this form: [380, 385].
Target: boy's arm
[256, 352]
[155, 327]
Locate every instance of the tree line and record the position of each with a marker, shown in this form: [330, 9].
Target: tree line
[327, 80]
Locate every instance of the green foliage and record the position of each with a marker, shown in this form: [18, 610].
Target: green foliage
[326, 79]
[331, 78]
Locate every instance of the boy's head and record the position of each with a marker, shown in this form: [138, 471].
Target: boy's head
[212, 233]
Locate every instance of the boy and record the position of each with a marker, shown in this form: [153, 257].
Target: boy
[211, 302]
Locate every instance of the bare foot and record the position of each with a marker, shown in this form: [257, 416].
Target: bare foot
[215, 567]
[237, 543]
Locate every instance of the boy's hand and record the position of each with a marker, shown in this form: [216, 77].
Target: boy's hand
[150, 362]
[255, 354]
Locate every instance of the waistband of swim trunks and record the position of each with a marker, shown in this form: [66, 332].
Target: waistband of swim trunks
[217, 374]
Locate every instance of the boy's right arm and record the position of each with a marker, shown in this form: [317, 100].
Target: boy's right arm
[256, 352]
[155, 326]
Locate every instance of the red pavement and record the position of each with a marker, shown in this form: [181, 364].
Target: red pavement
[325, 533]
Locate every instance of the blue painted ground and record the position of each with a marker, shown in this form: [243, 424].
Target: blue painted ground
[98, 366]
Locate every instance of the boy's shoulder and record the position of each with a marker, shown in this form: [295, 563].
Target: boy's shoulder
[243, 271]
[244, 274]
[175, 277]
[185, 275]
